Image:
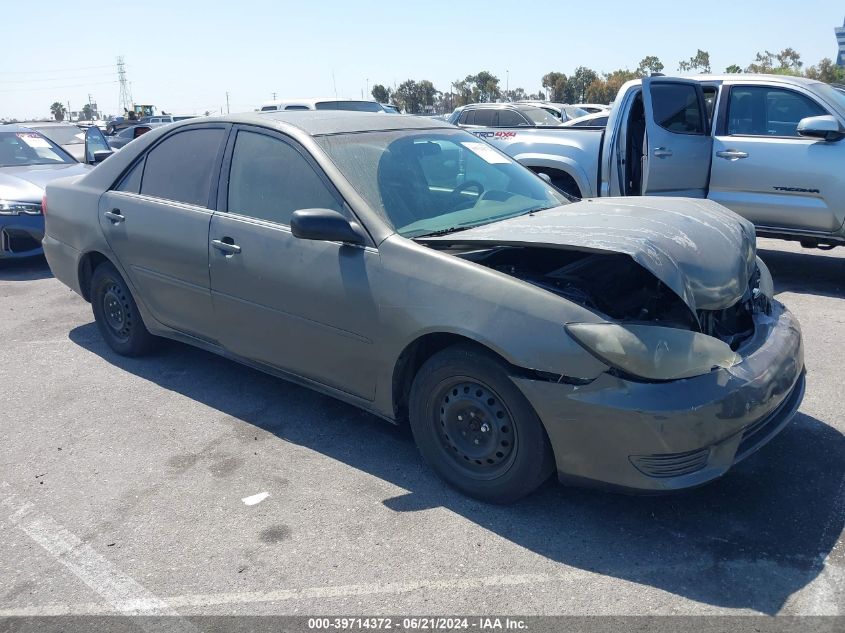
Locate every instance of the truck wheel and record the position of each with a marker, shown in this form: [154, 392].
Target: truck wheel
[475, 428]
[116, 313]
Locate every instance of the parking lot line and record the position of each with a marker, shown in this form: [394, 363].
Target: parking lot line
[120, 592]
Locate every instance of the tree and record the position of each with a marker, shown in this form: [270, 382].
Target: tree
[479, 88]
[827, 72]
[58, 111]
[579, 81]
[763, 63]
[649, 65]
[381, 94]
[789, 61]
[700, 62]
[733, 69]
[88, 112]
[415, 97]
[517, 94]
[605, 90]
[558, 86]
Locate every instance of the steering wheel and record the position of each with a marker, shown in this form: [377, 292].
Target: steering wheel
[469, 184]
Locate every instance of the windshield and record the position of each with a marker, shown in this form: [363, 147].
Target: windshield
[357, 106]
[430, 181]
[29, 148]
[62, 134]
[539, 116]
[834, 96]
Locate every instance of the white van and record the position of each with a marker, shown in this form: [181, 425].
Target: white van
[355, 105]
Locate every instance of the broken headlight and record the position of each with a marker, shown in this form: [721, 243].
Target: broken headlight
[653, 352]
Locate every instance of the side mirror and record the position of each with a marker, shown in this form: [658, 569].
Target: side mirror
[325, 225]
[96, 147]
[824, 127]
[545, 177]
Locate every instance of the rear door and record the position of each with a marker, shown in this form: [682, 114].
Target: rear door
[303, 306]
[765, 171]
[678, 143]
[156, 221]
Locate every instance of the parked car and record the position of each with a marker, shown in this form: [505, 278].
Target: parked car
[70, 137]
[497, 115]
[564, 112]
[353, 105]
[596, 119]
[28, 161]
[401, 265]
[592, 108]
[766, 146]
[127, 135]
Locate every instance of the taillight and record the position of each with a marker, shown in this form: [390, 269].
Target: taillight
[44, 204]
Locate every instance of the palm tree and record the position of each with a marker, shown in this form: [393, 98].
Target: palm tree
[58, 111]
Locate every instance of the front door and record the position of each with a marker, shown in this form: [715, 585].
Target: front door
[766, 172]
[303, 306]
[678, 142]
[156, 222]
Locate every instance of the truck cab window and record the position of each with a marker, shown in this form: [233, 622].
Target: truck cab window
[677, 108]
[766, 111]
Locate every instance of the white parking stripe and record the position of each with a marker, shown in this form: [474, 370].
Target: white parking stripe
[121, 593]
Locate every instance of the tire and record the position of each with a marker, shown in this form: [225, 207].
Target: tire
[475, 428]
[116, 313]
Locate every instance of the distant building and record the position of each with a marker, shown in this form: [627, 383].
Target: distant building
[840, 38]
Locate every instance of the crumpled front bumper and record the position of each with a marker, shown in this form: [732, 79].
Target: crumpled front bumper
[663, 436]
[21, 235]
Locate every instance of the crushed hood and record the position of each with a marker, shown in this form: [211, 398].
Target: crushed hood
[698, 248]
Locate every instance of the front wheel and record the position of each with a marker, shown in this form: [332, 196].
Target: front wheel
[476, 429]
[116, 313]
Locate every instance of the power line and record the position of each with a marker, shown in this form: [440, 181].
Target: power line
[22, 81]
[55, 70]
[85, 85]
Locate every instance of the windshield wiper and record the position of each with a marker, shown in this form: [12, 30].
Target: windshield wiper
[451, 229]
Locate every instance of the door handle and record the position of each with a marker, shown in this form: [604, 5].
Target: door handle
[661, 152]
[226, 245]
[115, 216]
[732, 154]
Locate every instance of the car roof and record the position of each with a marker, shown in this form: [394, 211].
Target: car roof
[48, 124]
[314, 101]
[322, 122]
[15, 127]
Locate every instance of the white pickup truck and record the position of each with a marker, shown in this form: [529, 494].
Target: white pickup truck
[765, 146]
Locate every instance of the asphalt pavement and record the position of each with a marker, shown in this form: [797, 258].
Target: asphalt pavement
[184, 483]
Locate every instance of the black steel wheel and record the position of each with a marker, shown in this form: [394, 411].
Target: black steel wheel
[116, 313]
[475, 428]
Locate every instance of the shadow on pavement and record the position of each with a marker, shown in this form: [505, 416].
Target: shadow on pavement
[813, 272]
[749, 540]
[25, 269]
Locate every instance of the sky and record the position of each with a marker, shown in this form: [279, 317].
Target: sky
[184, 56]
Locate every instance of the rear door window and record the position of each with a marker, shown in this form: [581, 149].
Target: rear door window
[484, 117]
[510, 118]
[181, 167]
[677, 108]
[766, 111]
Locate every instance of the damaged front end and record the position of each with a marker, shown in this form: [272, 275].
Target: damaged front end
[650, 333]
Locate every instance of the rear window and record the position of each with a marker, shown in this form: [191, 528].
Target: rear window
[181, 167]
[676, 108]
[355, 106]
[30, 148]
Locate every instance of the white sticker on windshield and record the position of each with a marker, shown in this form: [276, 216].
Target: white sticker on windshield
[486, 152]
[34, 140]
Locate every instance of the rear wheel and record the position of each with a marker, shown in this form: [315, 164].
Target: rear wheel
[475, 428]
[116, 313]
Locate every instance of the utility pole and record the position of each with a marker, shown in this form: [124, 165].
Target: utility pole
[274, 96]
[508, 84]
[227, 102]
[368, 86]
[69, 118]
[125, 100]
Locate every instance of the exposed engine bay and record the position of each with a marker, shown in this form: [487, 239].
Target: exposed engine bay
[620, 289]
